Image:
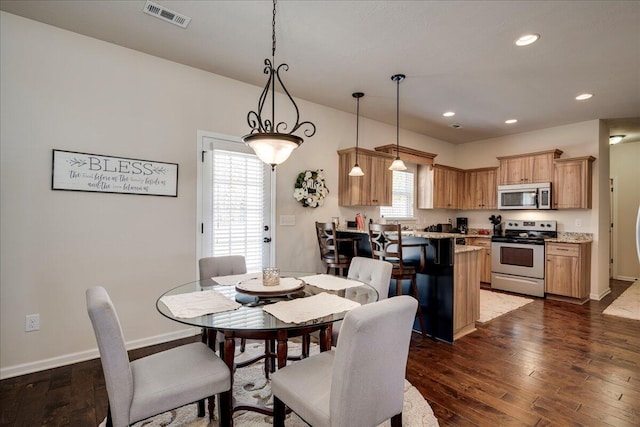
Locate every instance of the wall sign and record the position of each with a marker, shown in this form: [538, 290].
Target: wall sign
[106, 174]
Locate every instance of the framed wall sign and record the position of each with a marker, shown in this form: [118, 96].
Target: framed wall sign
[107, 174]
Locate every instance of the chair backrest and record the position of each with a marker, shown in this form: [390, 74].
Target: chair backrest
[326, 233]
[370, 363]
[113, 354]
[386, 242]
[222, 266]
[373, 272]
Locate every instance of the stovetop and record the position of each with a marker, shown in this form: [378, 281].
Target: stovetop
[524, 231]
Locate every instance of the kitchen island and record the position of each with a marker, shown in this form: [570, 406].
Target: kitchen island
[448, 284]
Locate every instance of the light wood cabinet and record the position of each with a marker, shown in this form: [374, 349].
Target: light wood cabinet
[448, 183]
[484, 256]
[527, 168]
[572, 179]
[568, 271]
[372, 189]
[480, 189]
[466, 301]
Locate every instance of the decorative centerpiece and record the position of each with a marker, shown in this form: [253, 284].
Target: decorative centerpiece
[310, 189]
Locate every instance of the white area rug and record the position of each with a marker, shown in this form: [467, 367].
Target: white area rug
[250, 386]
[626, 305]
[494, 304]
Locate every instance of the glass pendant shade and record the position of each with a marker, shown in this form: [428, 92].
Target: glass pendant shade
[272, 148]
[398, 165]
[356, 171]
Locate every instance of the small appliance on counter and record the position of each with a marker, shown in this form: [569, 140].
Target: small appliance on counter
[462, 224]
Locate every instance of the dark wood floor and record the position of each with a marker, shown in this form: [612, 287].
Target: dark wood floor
[549, 363]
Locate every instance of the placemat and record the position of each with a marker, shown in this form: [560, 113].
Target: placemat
[331, 283]
[196, 304]
[302, 310]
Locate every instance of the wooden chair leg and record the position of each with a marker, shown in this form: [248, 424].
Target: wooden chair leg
[225, 409]
[306, 345]
[414, 290]
[109, 420]
[398, 287]
[212, 406]
[396, 420]
[278, 412]
[243, 344]
[201, 408]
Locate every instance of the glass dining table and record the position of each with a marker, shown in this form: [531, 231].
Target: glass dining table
[251, 321]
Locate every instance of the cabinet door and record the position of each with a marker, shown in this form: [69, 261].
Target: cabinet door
[562, 273]
[425, 187]
[348, 186]
[489, 189]
[440, 190]
[512, 171]
[540, 168]
[572, 189]
[381, 183]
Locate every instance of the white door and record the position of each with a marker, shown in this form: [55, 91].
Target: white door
[235, 201]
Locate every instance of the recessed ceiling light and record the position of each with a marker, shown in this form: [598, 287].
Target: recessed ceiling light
[584, 96]
[511, 121]
[527, 39]
[614, 139]
[449, 114]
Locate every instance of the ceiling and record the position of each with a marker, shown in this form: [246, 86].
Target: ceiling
[457, 55]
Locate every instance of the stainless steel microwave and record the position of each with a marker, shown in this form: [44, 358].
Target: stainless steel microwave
[524, 196]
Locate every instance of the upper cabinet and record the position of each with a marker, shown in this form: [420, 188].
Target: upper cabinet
[527, 168]
[372, 189]
[440, 187]
[572, 183]
[480, 189]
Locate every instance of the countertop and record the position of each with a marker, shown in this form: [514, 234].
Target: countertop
[570, 237]
[467, 248]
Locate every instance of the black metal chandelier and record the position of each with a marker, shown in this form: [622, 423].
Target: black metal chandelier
[267, 138]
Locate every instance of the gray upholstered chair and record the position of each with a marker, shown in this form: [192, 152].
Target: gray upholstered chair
[373, 272]
[361, 382]
[157, 383]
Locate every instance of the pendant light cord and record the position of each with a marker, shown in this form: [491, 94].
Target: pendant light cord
[273, 71]
[273, 32]
[398, 118]
[357, 125]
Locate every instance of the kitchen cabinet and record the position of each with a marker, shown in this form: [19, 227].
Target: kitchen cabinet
[527, 168]
[568, 271]
[572, 183]
[484, 256]
[372, 189]
[440, 187]
[466, 302]
[480, 188]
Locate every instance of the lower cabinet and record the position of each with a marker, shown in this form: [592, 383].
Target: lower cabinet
[485, 256]
[466, 302]
[568, 271]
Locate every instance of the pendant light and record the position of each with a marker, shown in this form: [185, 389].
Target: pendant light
[398, 165]
[267, 140]
[356, 170]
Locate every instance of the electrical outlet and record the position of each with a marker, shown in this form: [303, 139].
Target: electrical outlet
[32, 323]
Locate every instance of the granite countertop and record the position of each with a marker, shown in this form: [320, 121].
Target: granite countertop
[467, 248]
[570, 237]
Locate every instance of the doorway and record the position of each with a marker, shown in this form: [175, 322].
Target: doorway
[236, 209]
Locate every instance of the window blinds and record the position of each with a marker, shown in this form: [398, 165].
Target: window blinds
[402, 202]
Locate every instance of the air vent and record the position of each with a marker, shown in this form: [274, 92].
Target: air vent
[154, 9]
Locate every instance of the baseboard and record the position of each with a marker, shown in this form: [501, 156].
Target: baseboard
[627, 278]
[81, 356]
[601, 295]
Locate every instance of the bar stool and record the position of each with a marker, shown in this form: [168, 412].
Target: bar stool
[330, 250]
[383, 238]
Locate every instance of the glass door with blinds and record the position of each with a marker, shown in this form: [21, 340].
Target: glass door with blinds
[235, 202]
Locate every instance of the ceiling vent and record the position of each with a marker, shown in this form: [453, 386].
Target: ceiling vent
[154, 9]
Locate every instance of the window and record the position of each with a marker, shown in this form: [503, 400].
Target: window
[402, 202]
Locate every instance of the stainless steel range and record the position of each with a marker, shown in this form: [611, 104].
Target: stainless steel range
[517, 257]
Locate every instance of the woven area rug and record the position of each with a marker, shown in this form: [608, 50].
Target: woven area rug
[626, 305]
[251, 386]
[494, 304]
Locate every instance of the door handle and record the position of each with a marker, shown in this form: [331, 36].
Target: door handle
[267, 240]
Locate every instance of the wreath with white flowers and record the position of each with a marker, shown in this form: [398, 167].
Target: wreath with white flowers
[310, 189]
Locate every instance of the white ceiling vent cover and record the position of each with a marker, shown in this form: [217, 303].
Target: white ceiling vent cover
[154, 9]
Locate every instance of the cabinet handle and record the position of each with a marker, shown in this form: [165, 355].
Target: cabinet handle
[562, 249]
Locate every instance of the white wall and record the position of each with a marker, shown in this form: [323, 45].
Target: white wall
[625, 164]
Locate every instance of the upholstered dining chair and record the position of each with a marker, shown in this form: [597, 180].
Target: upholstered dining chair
[361, 382]
[373, 272]
[386, 244]
[157, 383]
[330, 250]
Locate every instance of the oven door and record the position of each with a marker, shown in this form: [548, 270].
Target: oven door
[519, 259]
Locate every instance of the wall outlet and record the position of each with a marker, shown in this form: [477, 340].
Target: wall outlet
[32, 323]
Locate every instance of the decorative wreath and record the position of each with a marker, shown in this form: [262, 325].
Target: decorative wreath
[310, 189]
